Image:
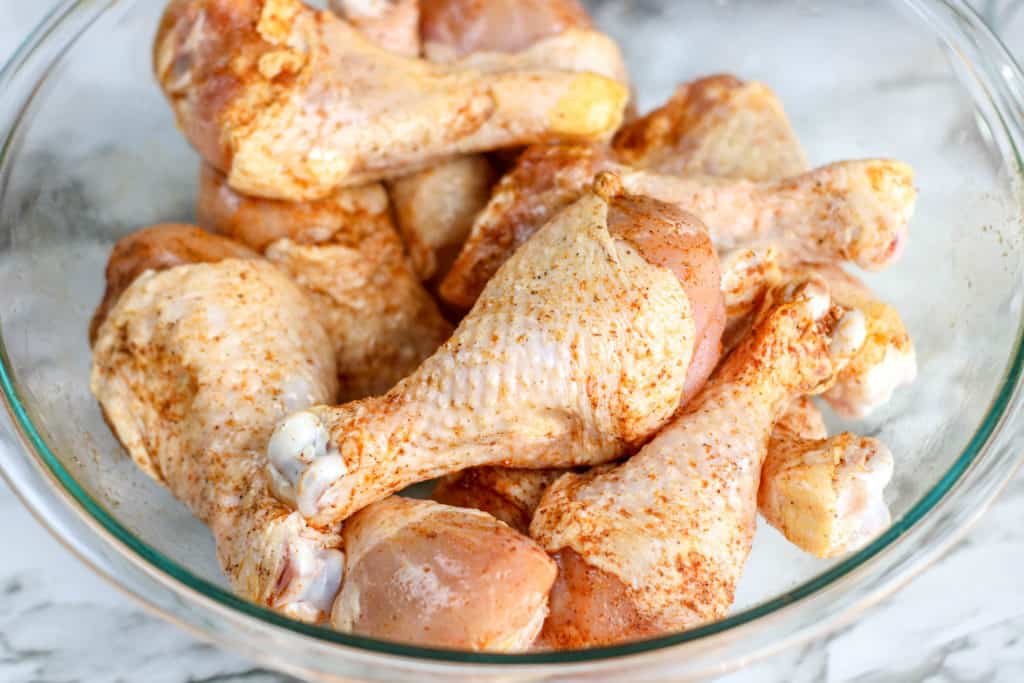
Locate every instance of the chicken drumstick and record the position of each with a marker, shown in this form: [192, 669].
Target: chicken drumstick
[657, 544]
[578, 350]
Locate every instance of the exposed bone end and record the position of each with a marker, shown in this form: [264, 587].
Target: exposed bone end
[591, 108]
[608, 185]
[317, 480]
[429, 574]
[849, 335]
[865, 469]
[300, 464]
[883, 200]
[826, 496]
[810, 293]
[811, 337]
[864, 386]
[293, 569]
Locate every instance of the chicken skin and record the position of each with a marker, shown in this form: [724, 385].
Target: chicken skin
[393, 25]
[348, 258]
[191, 348]
[657, 544]
[157, 248]
[418, 571]
[456, 28]
[716, 126]
[292, 103]
[577, 352]
[180, 369]
[435, 210]
[508, 494]
[349, 216]
[853, 210]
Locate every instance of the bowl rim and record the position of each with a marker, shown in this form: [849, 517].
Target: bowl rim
[35, 443]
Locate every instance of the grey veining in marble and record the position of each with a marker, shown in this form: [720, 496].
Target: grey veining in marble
[961, 621]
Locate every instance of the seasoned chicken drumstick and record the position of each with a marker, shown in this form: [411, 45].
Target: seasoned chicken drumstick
[347, 256]
[853, 210]
[197, 348]
[578, 350]
[180, 368]
[293, 103]
[723, 127]
[657, 544]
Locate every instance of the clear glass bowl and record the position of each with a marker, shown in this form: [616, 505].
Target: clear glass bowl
[89, 153]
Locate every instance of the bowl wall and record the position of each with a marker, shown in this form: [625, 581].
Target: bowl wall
[93, 154]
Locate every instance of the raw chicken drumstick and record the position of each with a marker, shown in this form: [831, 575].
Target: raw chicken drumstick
[180, 369]
[293, 103]
[721, 126]
[851, 210]
[825, 495]
[347, 256]
[577, 352]
[197, 348]
[656, 545]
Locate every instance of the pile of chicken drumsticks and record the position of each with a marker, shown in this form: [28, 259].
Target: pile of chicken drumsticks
[644, 307]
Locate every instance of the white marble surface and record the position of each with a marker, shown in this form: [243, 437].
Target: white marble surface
[962, 620]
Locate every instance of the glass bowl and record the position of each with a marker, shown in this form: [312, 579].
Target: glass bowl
[90, 152]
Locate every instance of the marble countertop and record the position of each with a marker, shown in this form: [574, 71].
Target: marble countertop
[961, 620]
